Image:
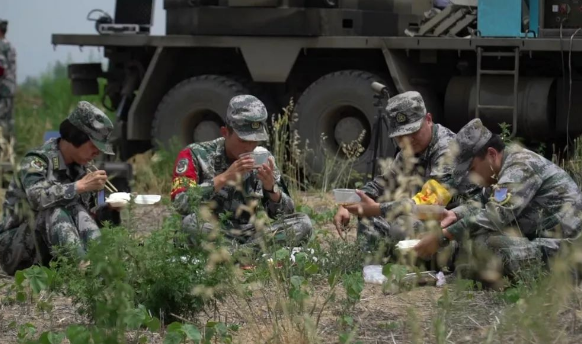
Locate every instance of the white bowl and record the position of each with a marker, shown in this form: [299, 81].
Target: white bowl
[406, 245]
[346, 196]
[260, 157]
[147, 199]
[116, 203]
[119, 196]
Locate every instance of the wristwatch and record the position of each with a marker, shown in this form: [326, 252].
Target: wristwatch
[274, 191]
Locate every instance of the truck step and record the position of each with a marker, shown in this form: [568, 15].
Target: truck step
[496, 107]
[498, 53]
[497, 72]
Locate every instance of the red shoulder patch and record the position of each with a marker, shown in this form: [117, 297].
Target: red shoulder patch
[185, 174]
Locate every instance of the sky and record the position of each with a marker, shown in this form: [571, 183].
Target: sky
[32, 22]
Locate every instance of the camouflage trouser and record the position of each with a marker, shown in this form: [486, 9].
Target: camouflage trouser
[6, 118]
[53, 227]
[297, 225]
[492, 256]
[377, 229]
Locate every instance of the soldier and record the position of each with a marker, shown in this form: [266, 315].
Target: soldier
[532, 205]
[51, 199]
[7, 82]
[212, 169]
[424, 147]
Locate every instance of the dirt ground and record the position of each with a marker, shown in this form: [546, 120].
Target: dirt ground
[407, 317]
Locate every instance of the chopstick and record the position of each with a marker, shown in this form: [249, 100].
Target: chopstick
[110, 187]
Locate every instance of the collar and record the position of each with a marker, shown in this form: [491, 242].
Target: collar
[221, 152]
[57, 160]
[426, 153]
[505, 153]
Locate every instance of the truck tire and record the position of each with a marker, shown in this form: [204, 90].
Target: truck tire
[340, 105]
[194, 110]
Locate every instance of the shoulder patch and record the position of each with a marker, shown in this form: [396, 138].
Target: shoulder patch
[37, 164]
[501, 195]
[182, 166]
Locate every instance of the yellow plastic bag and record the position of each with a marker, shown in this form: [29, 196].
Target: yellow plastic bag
[433, 193]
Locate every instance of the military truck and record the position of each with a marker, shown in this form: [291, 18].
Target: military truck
[504, 61]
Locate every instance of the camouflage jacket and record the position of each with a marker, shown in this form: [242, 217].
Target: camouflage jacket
[430, 164]
[198, 164]
[44, 181]
[532, 195]
[7, 69]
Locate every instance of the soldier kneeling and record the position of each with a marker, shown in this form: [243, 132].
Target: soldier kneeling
[52, 200]
[233, 186]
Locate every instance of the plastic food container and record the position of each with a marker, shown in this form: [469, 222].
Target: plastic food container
[429, 212]
[260, 157]
[406, 245]
[147, 199]
[346, 196]
[118, 199]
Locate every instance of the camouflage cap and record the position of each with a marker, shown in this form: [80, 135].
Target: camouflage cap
[94, 123]
[247, 116]
[406, 112]
[470, 139]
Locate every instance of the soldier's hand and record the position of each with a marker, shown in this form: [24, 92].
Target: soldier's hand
[341, 219]
[428, 245]
[266, 175]
[367, 207]
[92, 181]
[449, 219]
[240, 167]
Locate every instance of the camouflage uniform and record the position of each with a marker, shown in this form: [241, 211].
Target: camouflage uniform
[42, 207]
[7, 86]
[533, 208]
[198, 164]
[406, 113]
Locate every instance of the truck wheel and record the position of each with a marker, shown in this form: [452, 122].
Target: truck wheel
[194, 110]
[340, 106]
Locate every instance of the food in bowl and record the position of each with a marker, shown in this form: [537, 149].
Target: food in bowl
[118, 199]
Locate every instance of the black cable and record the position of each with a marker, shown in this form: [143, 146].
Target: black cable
[105, 18]
[105, 14]
[570, 89]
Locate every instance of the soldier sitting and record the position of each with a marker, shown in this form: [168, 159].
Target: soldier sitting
[532, 205]
[51, 195]
[423, 156]
[213, 169]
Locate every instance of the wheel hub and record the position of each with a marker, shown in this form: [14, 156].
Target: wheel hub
[347, 130]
